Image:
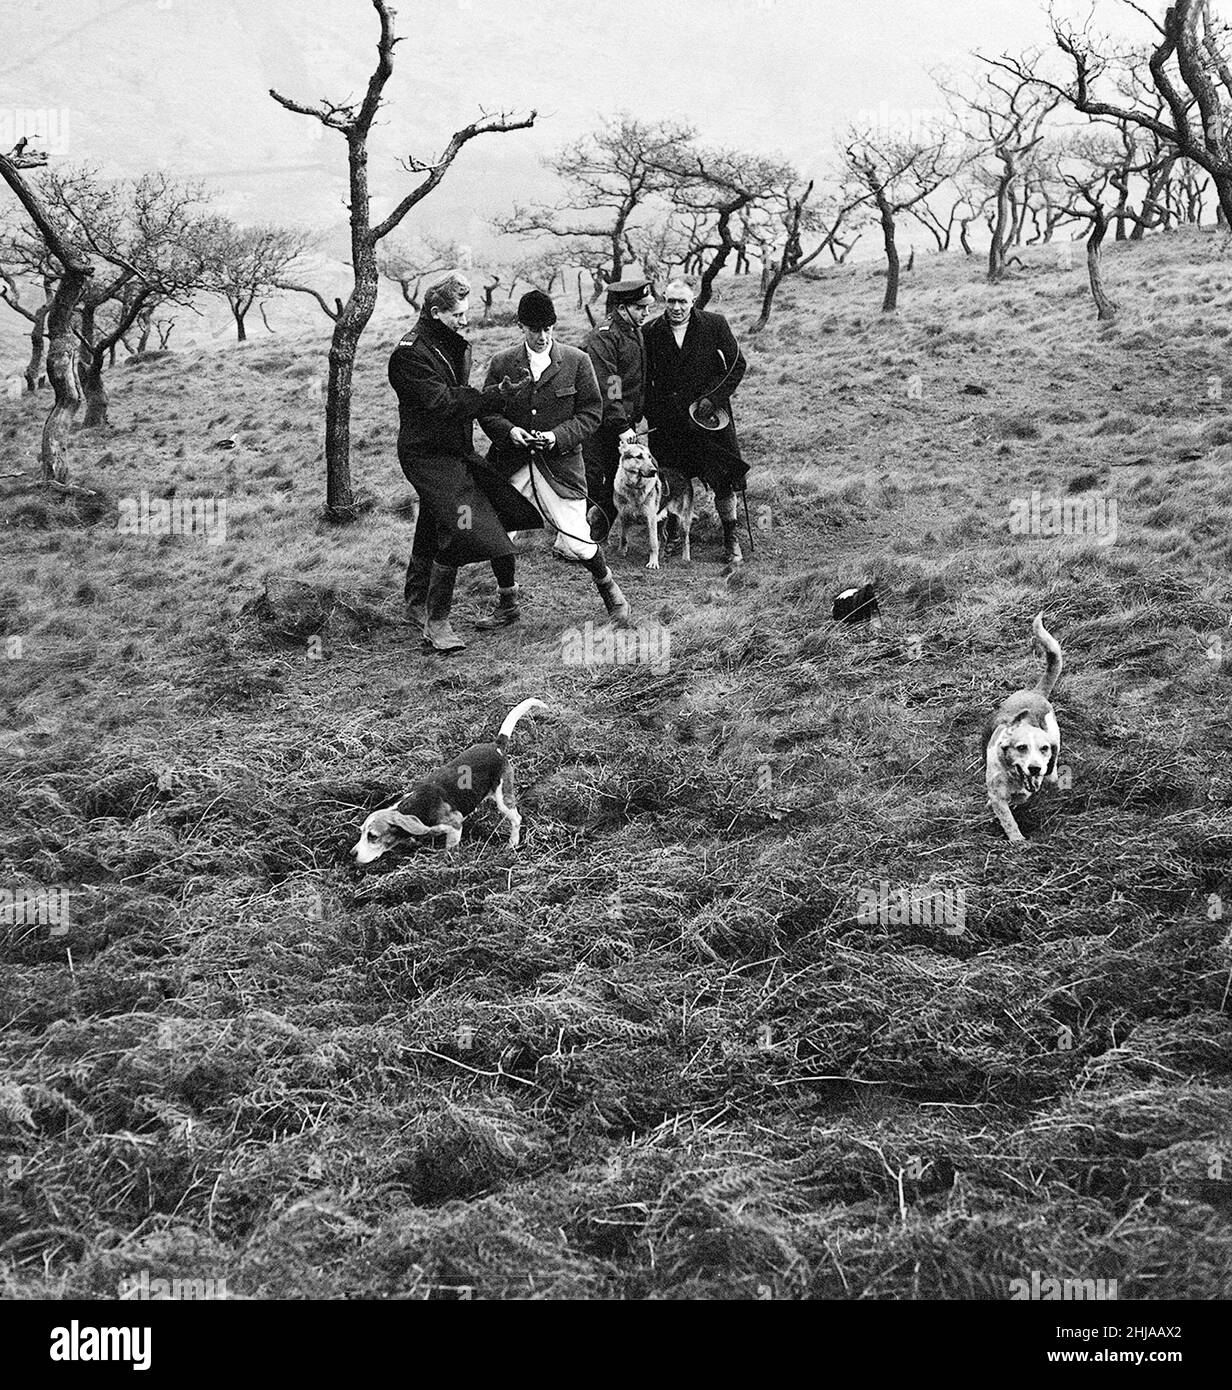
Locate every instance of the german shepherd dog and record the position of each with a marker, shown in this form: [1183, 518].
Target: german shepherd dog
[645, 492]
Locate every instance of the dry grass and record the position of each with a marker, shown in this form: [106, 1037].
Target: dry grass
[658, 1052]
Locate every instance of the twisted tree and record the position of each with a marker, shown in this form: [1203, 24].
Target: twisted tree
[62, 339]
[1191, 70]
[246, 264]
[354, 124]
[610, 175]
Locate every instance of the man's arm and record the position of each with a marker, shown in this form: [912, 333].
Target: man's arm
[495, 425]
[603, 349]
[419, 386]
[587, 410]
[723, 390]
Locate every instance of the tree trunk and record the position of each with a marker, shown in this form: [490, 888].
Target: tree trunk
[964, 234]
[884, 208]
[1106, 308]
[38, 341]
[996, 250]
[767, 299]
[348, 329]
[719, 260]
[90, 371]
[62, 370]
[241, 330]
[617, 250]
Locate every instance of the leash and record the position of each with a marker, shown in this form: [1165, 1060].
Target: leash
[534, 488]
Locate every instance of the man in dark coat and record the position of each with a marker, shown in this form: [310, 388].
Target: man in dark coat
[616, 350]
[692, 359]
[537, 444]
[465, 509]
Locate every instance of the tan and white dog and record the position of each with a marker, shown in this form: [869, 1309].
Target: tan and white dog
[645, 492]
[1022, 739]
[437, 804]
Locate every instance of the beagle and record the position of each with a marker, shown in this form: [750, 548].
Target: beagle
[1022, 739]
[439, 803]
[644, 491]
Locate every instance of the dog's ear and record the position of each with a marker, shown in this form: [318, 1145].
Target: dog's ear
[1000, 743]
[411, 824]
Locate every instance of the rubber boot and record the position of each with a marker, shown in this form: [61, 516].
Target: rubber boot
[505, 612]
[418, 575]
[732, 554]
[613, 600]
[438, 634]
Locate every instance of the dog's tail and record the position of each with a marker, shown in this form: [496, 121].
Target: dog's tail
[511, 721]
[1052, 652]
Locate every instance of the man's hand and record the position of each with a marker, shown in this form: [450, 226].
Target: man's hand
[520, 437]
[628, 436]
[705, 406]
[509, 387]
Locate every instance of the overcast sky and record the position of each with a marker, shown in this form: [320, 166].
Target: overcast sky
[184, 83]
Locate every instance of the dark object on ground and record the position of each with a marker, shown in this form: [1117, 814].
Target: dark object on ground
[857, 605]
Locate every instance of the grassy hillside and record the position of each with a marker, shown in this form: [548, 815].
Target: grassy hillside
[660, 1051]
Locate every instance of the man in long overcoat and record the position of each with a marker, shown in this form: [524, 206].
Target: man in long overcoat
[693, 359]
[465, 509]
[537, 444]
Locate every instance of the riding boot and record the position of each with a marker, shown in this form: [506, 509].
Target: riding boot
[418, 574]
[438, 633]
[505, 612]
[732, 554]
[613, 600]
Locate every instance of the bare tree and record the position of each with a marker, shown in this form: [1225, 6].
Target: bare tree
[10, 294]
[1191, 69]
[1093, 166]
[76, 272]
[610, 174]
[245, 264]
[408, 267]
[354, 125]
[939, 215]
[799, 216]
[143, 235]
[1010, 113]
[898, 175]
[712, 187]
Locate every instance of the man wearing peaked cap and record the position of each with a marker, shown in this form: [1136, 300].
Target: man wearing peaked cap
[618, 354]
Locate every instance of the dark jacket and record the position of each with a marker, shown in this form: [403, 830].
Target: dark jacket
[471, 508]
[708, 363]
[618, 355]
[565, 400]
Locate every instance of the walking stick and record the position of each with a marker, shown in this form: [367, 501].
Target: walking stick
[744, 497]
